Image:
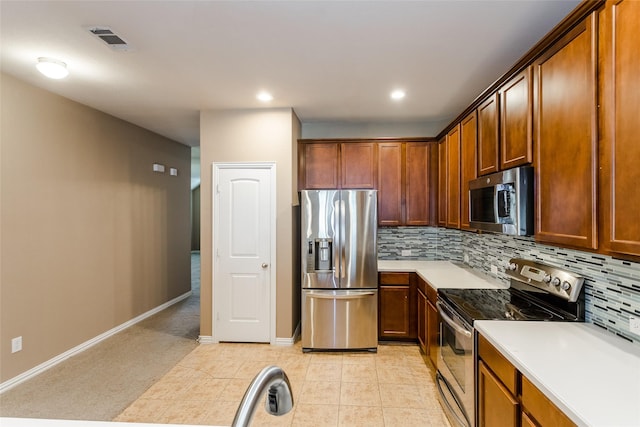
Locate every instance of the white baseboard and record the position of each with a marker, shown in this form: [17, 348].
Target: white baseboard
[85, 345]
[206, 339]
[289, 341]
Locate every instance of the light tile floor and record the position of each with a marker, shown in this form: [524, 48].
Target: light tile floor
[391, 388]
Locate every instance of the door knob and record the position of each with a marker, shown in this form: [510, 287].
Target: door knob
[265, 265]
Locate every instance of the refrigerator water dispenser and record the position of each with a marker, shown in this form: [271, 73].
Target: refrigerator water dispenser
[320, 255]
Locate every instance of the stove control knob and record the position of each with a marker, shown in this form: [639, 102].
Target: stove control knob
[565, 286]
[512, 266]
[547, 278]
[555, 281]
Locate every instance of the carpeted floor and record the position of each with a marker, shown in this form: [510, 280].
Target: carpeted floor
[99, 383]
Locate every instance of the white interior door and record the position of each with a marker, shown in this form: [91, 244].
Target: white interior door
[244, 252]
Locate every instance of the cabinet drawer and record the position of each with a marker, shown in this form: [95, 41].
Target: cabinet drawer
[541, 409]
[500, 366]
[394, 278]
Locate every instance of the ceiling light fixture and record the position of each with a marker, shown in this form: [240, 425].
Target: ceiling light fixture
[52, 68]
[264, 97]
[398, 94]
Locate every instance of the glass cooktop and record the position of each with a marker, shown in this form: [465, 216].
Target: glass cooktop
[502, 304]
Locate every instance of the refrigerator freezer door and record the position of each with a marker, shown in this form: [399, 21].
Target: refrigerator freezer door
[319, 231]
[358, 240]
[340, 319]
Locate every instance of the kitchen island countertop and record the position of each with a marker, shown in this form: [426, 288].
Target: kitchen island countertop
[442, 274]
[591, 375]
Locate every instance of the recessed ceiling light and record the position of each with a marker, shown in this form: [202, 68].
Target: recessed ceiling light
[398, 94]
[264, 96]
[52, 68]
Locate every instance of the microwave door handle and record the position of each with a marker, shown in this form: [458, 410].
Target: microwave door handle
[496, 202]
[504, 202]
[449, 321]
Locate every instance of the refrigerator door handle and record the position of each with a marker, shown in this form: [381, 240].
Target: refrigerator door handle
[343, 219]
[337, 267]
[341, 297]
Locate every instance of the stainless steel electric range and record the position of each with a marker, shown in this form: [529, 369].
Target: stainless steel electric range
[538, 292]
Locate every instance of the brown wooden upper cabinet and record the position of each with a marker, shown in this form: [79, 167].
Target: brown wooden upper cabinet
[620, 127]
[327, 165]
[516, 126]
[453, 177]
[468, 138]
[488, 135]
[442, 182]
[319, 165]
[434, 185]
[404, 196]
[418, 196]
[390, 183]
[358, 165]
[566, 139]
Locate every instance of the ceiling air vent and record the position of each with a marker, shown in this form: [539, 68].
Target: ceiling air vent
[112, 40]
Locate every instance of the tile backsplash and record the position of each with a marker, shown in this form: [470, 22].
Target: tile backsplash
[612, 286]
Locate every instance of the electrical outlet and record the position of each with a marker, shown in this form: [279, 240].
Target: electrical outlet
[466, 258]
[494, 269]
[16, 344]
[406, 252]
[634, 325]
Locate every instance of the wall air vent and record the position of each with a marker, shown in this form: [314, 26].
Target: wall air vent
[113, 40]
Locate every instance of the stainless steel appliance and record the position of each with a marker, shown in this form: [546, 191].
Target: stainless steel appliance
[537, 292]
[503, 202]
[339, 270]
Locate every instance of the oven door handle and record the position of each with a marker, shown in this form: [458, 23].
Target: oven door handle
[459, 329]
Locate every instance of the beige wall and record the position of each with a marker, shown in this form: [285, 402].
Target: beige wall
[90, 236]
[252, 136]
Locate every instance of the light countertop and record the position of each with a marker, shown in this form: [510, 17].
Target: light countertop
[442, 274]
[591, 375]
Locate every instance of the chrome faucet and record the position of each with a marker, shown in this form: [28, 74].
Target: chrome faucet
[279, 401]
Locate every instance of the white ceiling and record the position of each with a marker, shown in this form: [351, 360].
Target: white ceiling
[332, 61]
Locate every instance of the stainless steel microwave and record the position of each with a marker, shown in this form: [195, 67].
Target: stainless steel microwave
[503, 202]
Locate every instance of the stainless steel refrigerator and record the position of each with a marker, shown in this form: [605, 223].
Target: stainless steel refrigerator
[339, 270]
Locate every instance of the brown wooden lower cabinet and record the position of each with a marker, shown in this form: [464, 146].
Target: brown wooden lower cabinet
[394, 311]
[540, 409]
[497, 407]
[422, 322]
[433, 334]
[428, 320]
[526, 421]
[397, 317]
[508, 398]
